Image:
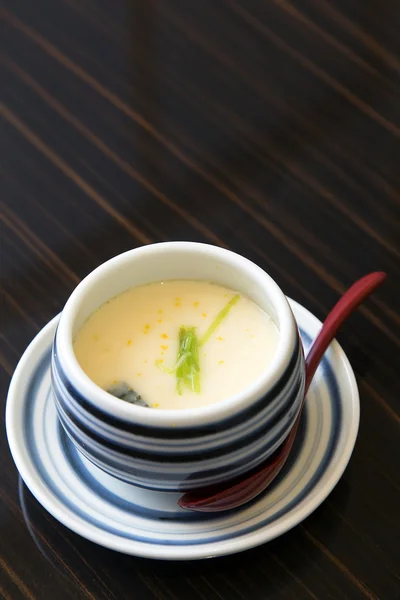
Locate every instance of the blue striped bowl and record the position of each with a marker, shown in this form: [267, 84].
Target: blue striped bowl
[178, 450]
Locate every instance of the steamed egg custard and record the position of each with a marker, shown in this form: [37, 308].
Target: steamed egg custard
[176, 344]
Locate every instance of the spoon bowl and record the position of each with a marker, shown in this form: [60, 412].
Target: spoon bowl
[244, 489]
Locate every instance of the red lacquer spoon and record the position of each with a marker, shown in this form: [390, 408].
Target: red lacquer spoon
[238, 492]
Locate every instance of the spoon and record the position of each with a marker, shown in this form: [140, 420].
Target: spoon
[241, 490]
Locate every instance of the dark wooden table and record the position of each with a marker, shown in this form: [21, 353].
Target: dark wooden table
[267, 126]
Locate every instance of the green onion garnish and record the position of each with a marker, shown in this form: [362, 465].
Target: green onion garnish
[187, 368]
[218, 319]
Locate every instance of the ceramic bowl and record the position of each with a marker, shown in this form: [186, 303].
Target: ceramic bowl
[178, 450]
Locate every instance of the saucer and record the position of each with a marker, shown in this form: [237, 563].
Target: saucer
[150, 524]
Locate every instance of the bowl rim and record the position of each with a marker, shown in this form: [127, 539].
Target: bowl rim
[191, 417]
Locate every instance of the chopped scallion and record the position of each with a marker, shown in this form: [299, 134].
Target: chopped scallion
[187, 367]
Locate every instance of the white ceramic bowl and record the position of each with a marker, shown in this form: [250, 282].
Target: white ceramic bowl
[178, 450]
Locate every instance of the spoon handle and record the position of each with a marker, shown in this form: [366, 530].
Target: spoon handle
[347, 304]
[344, 307]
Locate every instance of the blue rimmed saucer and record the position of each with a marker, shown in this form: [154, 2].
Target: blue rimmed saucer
[150, 524]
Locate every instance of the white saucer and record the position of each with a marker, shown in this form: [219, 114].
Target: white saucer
[150, 524]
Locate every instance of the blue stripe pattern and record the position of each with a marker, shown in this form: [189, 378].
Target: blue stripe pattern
[180, 459]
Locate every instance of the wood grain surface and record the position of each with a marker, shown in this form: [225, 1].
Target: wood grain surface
[271, 127]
